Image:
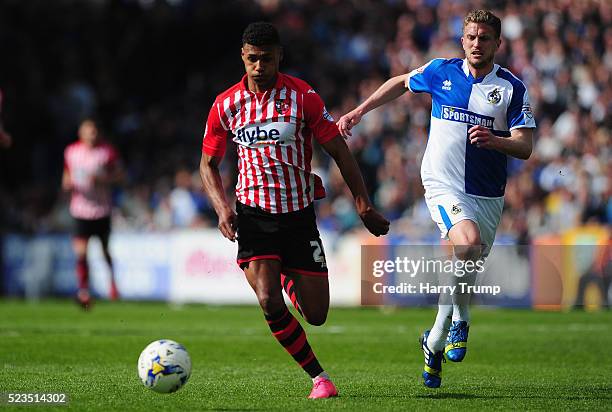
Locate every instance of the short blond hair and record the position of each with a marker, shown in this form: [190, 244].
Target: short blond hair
[484, 17]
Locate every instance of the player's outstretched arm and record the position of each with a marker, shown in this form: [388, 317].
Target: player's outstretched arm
[389, 90]
[519, 144]
[213, 187]
[372, 220]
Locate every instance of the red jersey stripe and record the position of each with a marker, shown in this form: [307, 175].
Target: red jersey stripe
[84, 163]
[273, 131]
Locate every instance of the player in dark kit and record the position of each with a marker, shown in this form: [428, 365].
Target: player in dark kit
[273, 117]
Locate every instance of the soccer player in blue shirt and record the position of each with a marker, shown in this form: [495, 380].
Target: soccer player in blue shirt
[480, 115]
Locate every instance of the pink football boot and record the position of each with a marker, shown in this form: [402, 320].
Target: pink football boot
[323, 388]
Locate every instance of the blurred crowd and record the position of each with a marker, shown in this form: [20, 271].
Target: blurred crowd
[150, 69]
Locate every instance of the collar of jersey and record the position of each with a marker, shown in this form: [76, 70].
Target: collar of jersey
[279, 83]
[480, 79]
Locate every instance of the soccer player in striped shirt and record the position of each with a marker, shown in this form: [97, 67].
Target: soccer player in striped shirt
[272, 118]
[91, 168]
[480, 115]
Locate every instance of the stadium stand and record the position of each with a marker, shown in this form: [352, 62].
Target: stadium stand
[150, 70]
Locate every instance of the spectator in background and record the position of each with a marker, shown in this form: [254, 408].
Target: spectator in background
[182, 203]
[562, 50]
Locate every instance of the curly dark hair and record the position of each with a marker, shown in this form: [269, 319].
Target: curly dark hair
[261, 33]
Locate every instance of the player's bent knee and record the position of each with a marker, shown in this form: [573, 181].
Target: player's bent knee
[318, 321]
[473, 240]
[467, 243]
[270, 304]
[468, 239]
[465, 233]
[317, 318]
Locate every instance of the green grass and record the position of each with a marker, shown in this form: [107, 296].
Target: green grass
[517, 359]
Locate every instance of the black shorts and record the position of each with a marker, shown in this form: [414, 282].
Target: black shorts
[86, 228]
[291, 238]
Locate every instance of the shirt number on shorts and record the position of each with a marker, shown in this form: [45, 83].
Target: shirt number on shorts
[317, 254]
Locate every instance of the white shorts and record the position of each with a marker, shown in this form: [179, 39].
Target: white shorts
[448, 207]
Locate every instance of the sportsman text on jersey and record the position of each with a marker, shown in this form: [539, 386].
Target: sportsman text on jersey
[497, 101]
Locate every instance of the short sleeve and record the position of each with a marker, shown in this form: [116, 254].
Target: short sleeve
[318, 119]
[215, 133]
[419, 80]
[519, 112]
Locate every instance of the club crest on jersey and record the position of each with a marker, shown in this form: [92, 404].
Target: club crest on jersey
[455, 209]
[494, 97]
[447, 84]
[281, 106]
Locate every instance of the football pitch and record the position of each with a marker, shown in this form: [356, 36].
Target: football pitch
[517, 359]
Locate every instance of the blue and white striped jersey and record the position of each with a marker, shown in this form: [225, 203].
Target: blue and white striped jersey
[497, 101]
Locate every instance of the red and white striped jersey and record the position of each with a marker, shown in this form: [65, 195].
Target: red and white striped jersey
[89, 201]
[273, 132]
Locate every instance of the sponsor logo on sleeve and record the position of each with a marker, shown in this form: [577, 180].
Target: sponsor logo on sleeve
[327, 116]
[421, 69]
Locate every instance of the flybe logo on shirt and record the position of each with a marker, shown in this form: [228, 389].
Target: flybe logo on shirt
[265, 134]
[456, 114]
